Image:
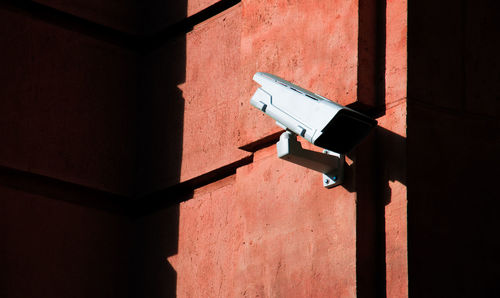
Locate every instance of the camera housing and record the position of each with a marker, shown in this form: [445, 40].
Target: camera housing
[324, 123]
[317, 119]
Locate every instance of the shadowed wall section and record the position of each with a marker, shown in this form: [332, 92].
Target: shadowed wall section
[133, 164]
[453, 145]
[87, 121]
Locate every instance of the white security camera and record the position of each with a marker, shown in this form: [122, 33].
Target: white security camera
[322, 122]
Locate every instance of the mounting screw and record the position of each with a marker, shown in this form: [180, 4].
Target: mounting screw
[327, 181]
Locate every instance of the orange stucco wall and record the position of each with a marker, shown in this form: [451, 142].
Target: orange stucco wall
[271, 229]
[140, 167]
[132, 164]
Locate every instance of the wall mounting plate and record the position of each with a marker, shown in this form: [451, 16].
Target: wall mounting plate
[336, 176]
[329, 163]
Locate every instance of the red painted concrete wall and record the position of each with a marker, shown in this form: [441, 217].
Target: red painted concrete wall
[132, 163]
[312, 44]
[396, 249]
[272, 230]
[292, 239]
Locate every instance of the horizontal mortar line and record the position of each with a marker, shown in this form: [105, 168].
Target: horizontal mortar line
[71, 22]
[137, 42]
[183, 191]
[450, 111]
[78, 194]
[53, 188]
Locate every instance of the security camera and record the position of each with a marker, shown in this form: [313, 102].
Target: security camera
[320, 121]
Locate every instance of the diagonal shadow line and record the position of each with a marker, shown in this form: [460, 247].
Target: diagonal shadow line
[136, 42]
[156, 40]
[71, 22]
[111, 202]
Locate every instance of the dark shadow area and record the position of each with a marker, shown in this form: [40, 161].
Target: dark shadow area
[71, 22]
[155, 125]
[453, 148]
[371, 54]
[48, 187]
[389, 149]
[149, 105]
[159, 145]
[370, 181]
[382, 159]
[51, 248]
[154, 239]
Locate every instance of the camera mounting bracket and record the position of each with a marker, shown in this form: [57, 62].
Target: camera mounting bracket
[329, 163]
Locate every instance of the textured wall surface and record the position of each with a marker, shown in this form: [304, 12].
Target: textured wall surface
[272, 230]
[284, 236]
[134, 165]
[311, 44]
[393, 143]
[211, 93]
